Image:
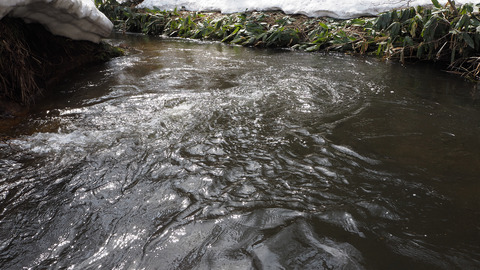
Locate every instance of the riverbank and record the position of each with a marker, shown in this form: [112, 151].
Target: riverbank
[33, 61]
[200, 154]
[447, 35]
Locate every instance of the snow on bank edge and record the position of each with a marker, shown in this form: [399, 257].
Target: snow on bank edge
[75, 19]
[341, 9]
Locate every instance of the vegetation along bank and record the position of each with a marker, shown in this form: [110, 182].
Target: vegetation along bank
[449, 34]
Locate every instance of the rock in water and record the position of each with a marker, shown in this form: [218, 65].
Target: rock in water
[75, 19]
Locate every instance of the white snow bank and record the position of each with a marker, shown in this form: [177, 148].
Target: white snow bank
[314, 8]
[76, 19]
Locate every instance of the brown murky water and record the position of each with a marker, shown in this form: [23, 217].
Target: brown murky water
[189, 155]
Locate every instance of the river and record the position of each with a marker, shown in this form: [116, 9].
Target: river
[198, 155]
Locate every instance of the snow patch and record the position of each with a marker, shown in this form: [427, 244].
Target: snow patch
[75, 19]
[341, 9]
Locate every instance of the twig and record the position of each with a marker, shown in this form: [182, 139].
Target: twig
[452, 7]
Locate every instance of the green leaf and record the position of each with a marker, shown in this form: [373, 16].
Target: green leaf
[237, 40]
[408, 41]
[358, 22]
[468, 39]
[324, 26]
[477, 39]
[428, 32]
[405, 14]
[466, 8]
[380, 48]
[463, 22]
[394, 29]
[394, 15]
[313, 48]
[420, 51]
[413, 28]
[436, 4]
[383, 21]
[231, 35]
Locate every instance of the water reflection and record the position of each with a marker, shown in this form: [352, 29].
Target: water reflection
[203, 156]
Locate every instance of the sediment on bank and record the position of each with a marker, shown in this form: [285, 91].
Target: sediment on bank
[448, 35]
[32, 60]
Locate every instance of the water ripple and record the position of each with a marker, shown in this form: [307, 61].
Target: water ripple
[190, 156]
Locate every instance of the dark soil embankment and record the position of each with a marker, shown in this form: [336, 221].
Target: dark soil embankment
[32, 61]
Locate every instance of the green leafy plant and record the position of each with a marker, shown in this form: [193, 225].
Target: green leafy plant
[440, 33]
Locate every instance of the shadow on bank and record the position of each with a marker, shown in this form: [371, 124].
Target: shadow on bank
[32, 61]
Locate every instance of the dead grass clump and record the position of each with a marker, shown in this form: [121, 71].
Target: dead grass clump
[17, 68]
[33, 60]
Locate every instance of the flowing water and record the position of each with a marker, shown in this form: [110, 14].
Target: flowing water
[186, 155]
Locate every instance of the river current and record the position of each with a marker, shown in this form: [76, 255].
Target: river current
[187, 155]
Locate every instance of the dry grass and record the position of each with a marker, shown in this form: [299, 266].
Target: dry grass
[467, 67]
[17, 78]
[33, 60]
